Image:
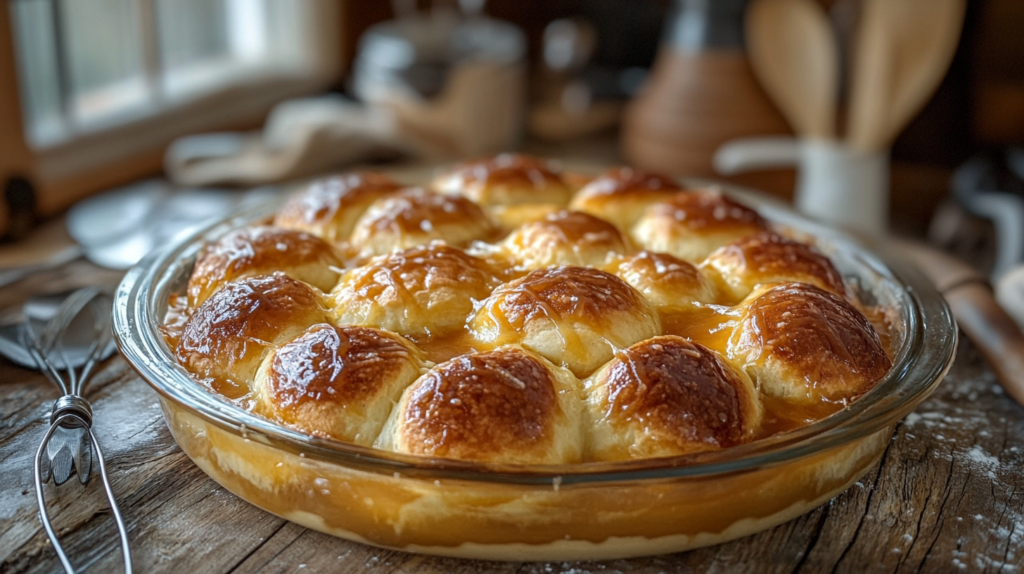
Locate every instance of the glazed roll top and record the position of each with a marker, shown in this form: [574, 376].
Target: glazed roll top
[565, 238]
[622, 195]
[227, 336]
[337, 382]
[506, 179]
[506, 405]
[770, 258]
[329, 207]
[262, 250]
[425, 290]
[807, 345]
[574, 316]
[667, 396]
[416, 217]
[693, 224]
[669, 283]
[508, 218]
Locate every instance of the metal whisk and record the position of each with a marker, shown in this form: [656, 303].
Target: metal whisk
[64, 447]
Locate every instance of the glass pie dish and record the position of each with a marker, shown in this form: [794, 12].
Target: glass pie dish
[593, 510]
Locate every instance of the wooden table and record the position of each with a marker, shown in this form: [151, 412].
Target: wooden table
[947, 496]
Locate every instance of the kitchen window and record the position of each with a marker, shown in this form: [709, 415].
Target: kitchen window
[101, 80]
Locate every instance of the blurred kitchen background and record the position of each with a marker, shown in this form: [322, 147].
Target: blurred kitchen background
[187, 104]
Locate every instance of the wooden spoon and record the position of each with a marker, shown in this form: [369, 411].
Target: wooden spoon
[902, 51]
[796, 58]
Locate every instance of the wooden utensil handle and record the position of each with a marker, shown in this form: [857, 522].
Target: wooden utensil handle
[993, 331]
[984, 322]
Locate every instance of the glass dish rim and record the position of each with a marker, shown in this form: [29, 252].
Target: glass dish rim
[919, 365]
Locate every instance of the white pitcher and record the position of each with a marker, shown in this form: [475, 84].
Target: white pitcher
[835, 184]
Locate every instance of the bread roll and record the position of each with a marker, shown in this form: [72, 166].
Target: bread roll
[622, 195]
[329, 207]
[511, 217]
[691, 225]
[667, 396]
[337, 382]
[506, 179]
[565, 238]
[506, 405]
[226, 338]
[575, 316]
[807, 345]
[262, 250]
[417, 217]
[425, 290]
[770, 258]
[669, 283]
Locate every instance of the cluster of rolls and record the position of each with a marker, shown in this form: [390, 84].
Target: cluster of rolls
[500, 315]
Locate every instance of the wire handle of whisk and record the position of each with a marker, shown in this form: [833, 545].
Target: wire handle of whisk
[71, 418]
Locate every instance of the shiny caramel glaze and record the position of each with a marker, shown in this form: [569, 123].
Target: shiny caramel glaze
[262, 250]
[511, 217]
[337, 382]
[807, 345]
[424, 290]
[770, 258]
[710, 211]
[668, 396]
[668, 282]
[506, 179]
[329, 207]
[621, 195]
[693, 224]
[503, 405]
[177, 315]
[445, 303]
[416, 217]
[565, 238]
[575, 316]
[226, 337]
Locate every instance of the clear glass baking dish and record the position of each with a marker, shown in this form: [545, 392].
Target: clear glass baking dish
[573, 512]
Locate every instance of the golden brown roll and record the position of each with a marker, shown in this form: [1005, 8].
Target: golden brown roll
[622, 195]
[669, 283]
[506, 405]
[262, 250]
[807, 345]
[329, 207]
[770, 258]
[667, 396]
[337, 382]
[511, 217]
[425, 290]
[576, 316]
[226, 338]
[505, 179]
[417, 217]
[691, 225]
[565, 238]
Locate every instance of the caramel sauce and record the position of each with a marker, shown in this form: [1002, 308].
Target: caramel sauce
[440, 348]
[174, 321]
[708, 325]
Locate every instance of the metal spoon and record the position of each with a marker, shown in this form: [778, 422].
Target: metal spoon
[36, 313]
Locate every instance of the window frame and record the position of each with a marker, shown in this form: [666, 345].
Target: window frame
[105, 153]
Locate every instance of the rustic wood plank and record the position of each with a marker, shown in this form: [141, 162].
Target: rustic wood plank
[947, 496]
